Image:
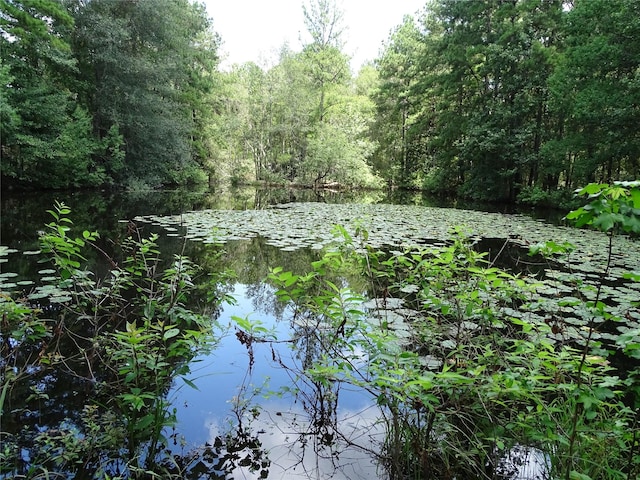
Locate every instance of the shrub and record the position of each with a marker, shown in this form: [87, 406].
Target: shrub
[123, 339]
[464, 377]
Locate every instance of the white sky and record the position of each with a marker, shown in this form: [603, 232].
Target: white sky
[253, 30]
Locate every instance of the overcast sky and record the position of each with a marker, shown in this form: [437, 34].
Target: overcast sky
[252, 30]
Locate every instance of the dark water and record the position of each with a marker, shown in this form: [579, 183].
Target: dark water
[285, 425]
[231, 399]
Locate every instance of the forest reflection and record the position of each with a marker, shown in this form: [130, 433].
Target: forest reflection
[266, 414]
[266, 417]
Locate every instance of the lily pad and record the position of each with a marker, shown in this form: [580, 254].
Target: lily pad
[4, 250]
[61, 299]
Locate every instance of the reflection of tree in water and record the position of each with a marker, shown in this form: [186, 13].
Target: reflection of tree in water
[263, 299]
[318, 434]
[252, 260]
[265, 197]
[238, 448]
[317, 394]
[311, 435]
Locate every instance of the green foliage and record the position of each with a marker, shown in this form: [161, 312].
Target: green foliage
[101, 91]
[147, 70]
[492, 100]
[299, 120]
[460, 376]
[64, 250]
[611, 208]
[24, 334]
[539, 197]
[510, 100]
[35, 22]
[550, 249]
[48, 141]
[395, 128]
[9, 117]
[127, 337]
[594, 89]
[333, 156]
[324, 62]
[489, 81]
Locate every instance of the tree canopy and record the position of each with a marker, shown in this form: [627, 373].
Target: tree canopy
[104, 92]
[495, 100]
[511, 100]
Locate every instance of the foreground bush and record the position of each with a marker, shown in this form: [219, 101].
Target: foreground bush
[119, 340]
[469, 381]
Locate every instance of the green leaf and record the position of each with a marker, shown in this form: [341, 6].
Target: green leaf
[243, 323]
[144, 422]
[190, 383]
[592, 189]
[172, 332]
[586, 400]
[631, 276]
[423, 383]
[573, 214]
[578, 476]
[635, 197]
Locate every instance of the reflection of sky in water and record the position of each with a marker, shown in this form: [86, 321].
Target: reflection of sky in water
[207, 412]
[289, 459]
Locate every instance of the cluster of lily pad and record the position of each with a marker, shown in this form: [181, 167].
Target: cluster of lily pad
[45, 289]
[559, 297]
[303, 225]
[9, 280]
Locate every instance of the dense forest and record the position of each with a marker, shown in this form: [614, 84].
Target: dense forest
[517, 100]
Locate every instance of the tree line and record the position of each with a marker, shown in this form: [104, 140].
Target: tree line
[512, 99]
[102, 93]
[493, 100]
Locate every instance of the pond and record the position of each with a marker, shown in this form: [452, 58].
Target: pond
[253, 411]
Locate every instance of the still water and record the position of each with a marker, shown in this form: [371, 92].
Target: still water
[232, 400]
[288, 426]
[260, 400]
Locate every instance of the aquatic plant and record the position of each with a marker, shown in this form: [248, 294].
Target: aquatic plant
[464, 370]
[123, 338]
